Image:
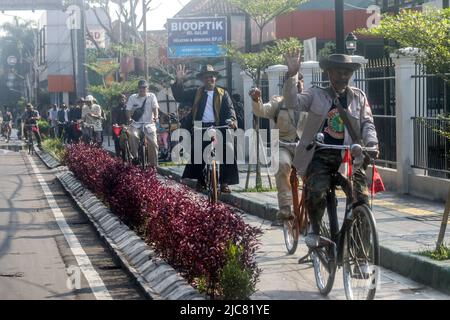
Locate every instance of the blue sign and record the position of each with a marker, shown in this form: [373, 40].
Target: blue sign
[196, 37]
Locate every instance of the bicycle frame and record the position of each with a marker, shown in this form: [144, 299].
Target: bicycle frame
[212, 167]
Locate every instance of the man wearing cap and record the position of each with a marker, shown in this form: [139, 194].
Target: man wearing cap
[212, 106]
[91, 115]
[147, 102]
[322, 105]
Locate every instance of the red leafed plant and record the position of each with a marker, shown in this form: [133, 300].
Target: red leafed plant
[184, 228]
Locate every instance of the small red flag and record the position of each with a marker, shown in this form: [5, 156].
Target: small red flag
[348, 162]
[377, 182]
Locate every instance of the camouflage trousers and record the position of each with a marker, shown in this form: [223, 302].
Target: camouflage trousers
[318, 181]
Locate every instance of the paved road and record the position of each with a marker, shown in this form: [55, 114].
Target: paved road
[34, 253]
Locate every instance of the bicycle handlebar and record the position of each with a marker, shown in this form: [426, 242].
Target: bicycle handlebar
[211, 127]
[355, 148]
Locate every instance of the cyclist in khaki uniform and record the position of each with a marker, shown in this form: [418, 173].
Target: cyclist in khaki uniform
[289, 123]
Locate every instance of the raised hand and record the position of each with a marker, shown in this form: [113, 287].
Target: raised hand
[292, 58]
[181, 72]
[255, 94]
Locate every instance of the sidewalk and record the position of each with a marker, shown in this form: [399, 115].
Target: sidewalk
[405, 225]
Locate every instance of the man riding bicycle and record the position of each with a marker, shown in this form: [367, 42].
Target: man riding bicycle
[289, 123]
[142, 113]
[323, 105]
[29, 118]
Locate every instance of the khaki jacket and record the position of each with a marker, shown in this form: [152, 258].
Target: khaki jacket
[317, 102]
[285, 117]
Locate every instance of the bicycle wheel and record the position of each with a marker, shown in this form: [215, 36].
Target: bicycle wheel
[213, 183]
[291, 233]
[324, 259]
[143, 156]
[30, 143]
[126, 154]
[361, 256]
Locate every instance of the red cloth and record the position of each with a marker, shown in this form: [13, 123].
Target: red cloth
[377, 182]
[348, 161]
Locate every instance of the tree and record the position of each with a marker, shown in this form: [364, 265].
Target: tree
[262, 12]
[428, 31]
[18, 41]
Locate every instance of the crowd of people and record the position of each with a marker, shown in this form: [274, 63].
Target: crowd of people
[298, 115]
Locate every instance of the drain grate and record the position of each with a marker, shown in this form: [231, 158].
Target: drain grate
[413, 290]
[109, 267]
[427, 217]
[12, 275]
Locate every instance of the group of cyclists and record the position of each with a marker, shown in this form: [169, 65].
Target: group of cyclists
[340, 112]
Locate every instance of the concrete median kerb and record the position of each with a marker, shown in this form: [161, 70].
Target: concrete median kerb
[47, 158]
[157, 279]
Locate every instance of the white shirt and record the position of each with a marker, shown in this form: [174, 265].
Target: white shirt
[135, 102]
[91, 121]
[208, 114]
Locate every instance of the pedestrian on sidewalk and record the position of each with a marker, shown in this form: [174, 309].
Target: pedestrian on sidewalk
[62, 118]
[342, 113]
[212, 106]
[289, 123]
[53, 119]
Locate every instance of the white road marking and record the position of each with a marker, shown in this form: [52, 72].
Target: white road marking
[95, 282]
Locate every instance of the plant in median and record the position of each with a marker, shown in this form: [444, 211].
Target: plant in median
[441, 253]
[237, 281]
[182, 227]
[55, 147]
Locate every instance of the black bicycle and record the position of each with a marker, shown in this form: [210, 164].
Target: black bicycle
[355, 246]
[31, 128]
[211, 171]
[143, 146]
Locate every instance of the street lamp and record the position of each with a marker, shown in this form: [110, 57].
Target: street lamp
[350, 43]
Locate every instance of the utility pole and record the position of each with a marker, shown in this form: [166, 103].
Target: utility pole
[144, 12]
[339, 19]
[81, 52]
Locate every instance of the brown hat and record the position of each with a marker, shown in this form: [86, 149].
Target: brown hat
[339, 61]
[207, 69]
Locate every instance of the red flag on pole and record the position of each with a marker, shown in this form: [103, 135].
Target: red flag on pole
[377, 182]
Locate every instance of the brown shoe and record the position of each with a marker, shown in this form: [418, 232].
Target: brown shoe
[224, 188]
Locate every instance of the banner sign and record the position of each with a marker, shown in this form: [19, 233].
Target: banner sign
[196, 37]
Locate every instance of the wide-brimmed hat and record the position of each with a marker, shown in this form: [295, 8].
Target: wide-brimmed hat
[207, 69]
[339, 61]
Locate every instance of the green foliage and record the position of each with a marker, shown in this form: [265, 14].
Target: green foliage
[428, 31]
[260, 189]
[442, 253]
[236, 281]
[264, 11]
[44, 126]
[252, 62]
[55, 147]
[329, 48]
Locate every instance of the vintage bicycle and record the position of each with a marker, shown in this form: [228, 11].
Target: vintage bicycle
[354, 246]
[211, 171]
